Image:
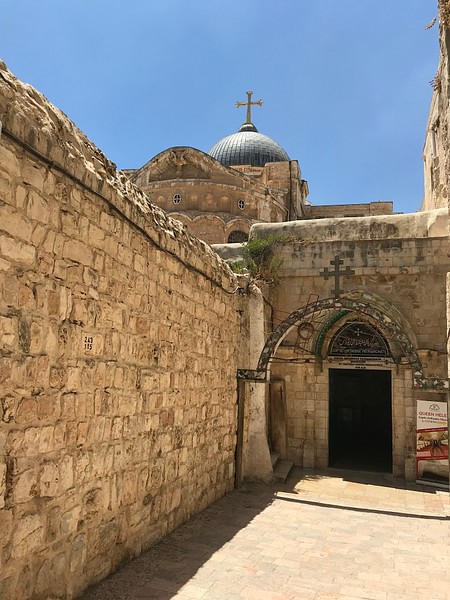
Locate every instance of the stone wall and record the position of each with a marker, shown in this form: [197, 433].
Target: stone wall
[118, 338]
[444, 97]
[212, 200]
[402, 258]
[436, 153]
[400, 264]
[437, 142]
[348, 210]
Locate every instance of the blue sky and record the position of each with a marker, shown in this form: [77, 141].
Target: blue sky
[345, 83]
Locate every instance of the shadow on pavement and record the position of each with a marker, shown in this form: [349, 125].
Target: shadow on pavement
[161, 571]
[385, 480]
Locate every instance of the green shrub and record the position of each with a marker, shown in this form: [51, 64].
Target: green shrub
[259, 260]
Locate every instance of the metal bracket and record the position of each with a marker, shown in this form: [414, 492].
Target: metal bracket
[258, 375]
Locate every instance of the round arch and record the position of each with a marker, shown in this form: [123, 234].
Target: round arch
[377, 309]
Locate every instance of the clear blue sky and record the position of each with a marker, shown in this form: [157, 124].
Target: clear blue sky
[345, 83]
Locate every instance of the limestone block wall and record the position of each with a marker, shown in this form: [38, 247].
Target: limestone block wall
[434, 174]
[402, 261]
[437, 138]
[348, 210]
[401, 258]
[408, 273]
[207, 196]
[211, 196]
[444, 72]
[118, 355]
[436, 154]
[209, 208]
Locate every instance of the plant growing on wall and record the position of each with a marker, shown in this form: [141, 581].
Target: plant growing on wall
[259, 260]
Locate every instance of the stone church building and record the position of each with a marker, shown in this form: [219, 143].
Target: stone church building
[355, 285]
[245, 178]
[141, 378]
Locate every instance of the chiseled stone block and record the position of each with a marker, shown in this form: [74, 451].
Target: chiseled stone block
[17, 252]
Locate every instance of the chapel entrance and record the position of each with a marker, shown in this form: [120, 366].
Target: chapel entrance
[360, 420]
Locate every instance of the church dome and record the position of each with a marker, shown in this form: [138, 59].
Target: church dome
[247, 147]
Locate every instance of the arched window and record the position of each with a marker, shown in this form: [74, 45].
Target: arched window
[241, 204]
[176, 198]
[237, 237]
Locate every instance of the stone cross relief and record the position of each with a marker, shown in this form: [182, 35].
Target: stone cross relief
[249, 105]
[326, 273]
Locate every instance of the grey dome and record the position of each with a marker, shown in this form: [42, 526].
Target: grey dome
[247, 147]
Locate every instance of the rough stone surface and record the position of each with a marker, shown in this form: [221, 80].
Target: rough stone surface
[120, 334]
[436, 153]
[400, 265]
[214, 201]
[118, 386]
[320, 536]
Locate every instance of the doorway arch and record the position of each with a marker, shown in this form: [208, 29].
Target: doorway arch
[387, 317]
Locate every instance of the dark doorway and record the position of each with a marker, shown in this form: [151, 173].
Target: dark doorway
[360, 420]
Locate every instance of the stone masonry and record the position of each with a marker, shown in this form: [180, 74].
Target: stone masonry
[399, 264]
[118, 365]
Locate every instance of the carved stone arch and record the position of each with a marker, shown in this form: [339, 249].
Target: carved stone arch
[384, 314]
[208, 218]
[237, 236]
[237, 227]
[239, 222]
[343, 319]
[186, 219]
[209, 228]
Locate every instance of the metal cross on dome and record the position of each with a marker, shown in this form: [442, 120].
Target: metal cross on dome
[336, 274]
[249, 104]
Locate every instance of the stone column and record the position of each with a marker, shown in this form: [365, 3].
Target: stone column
[257, 463]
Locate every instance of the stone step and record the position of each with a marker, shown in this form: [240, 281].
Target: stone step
[274, 456]
[282, 469]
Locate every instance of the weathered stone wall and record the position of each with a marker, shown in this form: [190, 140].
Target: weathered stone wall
[436, 153]
[118, 355]
[407, 271]
[435, 178]
[212, 200]
[444, 98]
[437, 141]
[399, 261]
[348, 210]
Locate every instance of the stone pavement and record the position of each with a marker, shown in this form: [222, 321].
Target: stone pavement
[321, 536]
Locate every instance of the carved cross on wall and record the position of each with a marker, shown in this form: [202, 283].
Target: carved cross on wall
[249, 104]
[336, 274]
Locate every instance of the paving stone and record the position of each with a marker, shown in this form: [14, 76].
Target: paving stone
[384, 542]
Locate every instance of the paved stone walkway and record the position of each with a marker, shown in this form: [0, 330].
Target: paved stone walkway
[320, 536]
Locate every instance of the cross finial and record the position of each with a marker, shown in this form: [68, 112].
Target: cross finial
[249, 104]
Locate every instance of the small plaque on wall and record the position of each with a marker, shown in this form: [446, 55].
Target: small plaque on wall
[88, 343]
[92, 343]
